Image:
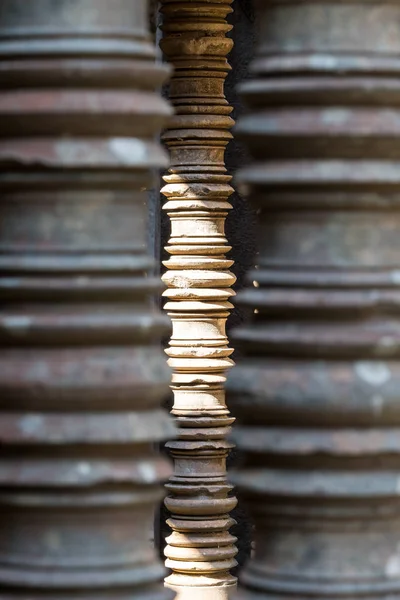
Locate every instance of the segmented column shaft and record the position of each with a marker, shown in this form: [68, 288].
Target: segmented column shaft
[318, 388]
[200, 550]
[82, 373]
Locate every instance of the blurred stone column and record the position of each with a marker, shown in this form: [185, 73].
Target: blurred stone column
[317, 392]
[82, 373]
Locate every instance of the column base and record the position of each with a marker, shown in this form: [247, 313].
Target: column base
[203, 592]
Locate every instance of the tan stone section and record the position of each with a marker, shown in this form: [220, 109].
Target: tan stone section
[200, 550]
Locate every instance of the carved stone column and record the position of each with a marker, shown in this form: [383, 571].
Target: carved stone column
[318, 392]
[200, 550]
[81, 369]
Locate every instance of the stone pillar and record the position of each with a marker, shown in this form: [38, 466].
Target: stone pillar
[82, 373]
[318, 390]
[200, 550]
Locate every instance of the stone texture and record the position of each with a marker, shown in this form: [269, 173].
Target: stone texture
[81, 370]
[200, 550]
[317, 391]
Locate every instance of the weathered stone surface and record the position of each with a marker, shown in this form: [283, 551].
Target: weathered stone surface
[317, 393]
[200, 550]
[81, 369]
